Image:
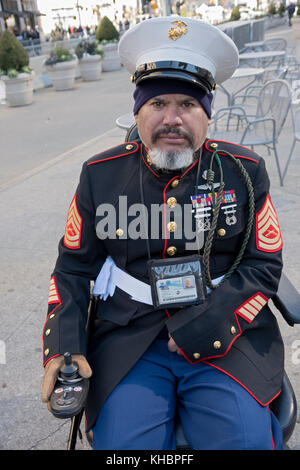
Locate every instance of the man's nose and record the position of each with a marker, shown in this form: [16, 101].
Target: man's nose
[172, 116]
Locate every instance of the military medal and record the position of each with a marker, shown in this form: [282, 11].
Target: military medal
[202, 209]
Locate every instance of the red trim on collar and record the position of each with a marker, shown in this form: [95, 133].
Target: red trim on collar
[158, 176]
[148, 166]
[225, 142]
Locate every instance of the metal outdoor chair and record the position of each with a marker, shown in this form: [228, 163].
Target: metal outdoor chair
[262, 128]
[293, 72]
[275, 44]
[249, 98]
[296, 129]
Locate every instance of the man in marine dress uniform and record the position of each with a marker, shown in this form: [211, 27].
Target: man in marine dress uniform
[215, 359]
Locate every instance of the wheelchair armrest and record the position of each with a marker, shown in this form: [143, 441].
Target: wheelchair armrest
[285, 408]
[287, 301]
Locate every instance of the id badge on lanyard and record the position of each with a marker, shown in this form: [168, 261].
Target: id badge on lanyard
[178, 282]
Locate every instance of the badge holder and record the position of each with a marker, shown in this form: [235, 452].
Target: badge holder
[177, 283]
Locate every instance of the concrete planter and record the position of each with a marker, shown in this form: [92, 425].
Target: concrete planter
[90, 67]
[111, 60]
[274, 21]
[296, 27]
[62, 74]
[19, 90]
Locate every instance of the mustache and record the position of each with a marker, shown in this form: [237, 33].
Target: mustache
[172, 130]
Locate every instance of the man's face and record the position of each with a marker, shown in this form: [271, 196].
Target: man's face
[172, 122]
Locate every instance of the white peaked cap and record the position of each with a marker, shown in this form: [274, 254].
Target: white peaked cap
[188, 46]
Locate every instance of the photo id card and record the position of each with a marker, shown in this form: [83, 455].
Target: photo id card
[176, 289]
[177, 283]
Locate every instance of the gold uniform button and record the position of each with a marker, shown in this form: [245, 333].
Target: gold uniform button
[172, 201]
[172, 226]
[52, 315]
[47, 332]
[175, 183]
[129, 147]
[217, 344]
[214, 145]
[221, 232]
[46, 352]
[119, 232]
[172, 250]
[233, 330]
[196, 355]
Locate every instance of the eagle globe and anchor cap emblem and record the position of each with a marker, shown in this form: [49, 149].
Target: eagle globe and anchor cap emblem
[175, 33]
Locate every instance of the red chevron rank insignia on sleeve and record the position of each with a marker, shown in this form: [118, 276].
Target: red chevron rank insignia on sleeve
[268, 235]
[249, 309]
[72, 236]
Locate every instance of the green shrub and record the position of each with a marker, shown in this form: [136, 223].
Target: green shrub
[272, 9]
[59, 54]
[235, 14]
[88, 47]
[298, 10]
[106, 31]
[281, 9]
[13, 56]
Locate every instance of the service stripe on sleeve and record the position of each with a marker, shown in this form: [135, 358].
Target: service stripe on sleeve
[54, 297]
[268, 234]
[249, 309]
[72, 236]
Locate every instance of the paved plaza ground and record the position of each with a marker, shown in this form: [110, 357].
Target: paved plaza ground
[43, 147]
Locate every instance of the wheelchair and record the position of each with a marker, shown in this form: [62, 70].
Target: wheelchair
[286, 300]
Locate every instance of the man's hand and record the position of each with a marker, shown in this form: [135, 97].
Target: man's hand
[172, 346]
[52, 370]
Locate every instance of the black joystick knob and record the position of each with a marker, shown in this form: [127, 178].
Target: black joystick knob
[70, 391]
[69, 369]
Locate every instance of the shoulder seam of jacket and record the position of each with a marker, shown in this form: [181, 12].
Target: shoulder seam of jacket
[135, 148]
[236, 145]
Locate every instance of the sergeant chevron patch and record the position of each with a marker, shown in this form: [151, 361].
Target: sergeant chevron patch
[268, 235]
[249, 309]
[72, 236]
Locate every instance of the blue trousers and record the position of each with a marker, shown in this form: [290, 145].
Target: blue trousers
[215, 411]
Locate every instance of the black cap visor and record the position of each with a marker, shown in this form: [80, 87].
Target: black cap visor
[177, 71]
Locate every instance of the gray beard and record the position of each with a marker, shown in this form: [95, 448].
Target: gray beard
[172, 159]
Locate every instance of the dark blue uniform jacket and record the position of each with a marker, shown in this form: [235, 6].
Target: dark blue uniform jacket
[233, 330]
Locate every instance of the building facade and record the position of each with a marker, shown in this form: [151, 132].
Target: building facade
[19, 15]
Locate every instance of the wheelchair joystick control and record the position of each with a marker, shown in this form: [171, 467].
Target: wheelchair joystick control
[70, 391]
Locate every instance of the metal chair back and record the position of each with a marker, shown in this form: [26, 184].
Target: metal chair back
[274, 101]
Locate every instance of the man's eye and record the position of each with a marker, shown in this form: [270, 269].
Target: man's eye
[188, 104]
[157, 104]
